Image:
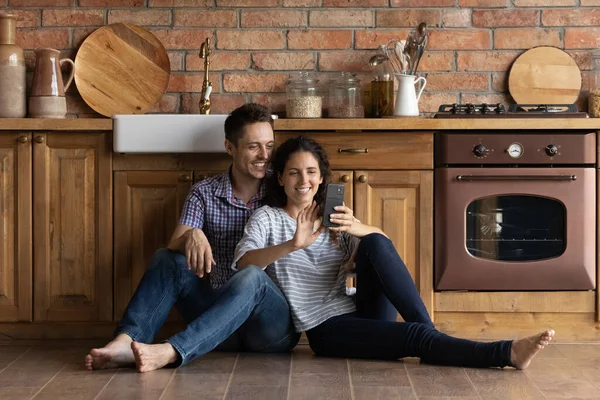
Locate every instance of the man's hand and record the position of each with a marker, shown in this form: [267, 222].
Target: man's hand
[198, 253]
[305, 223]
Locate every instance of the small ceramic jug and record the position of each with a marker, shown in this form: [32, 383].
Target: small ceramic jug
[407, 98]
[47, 98]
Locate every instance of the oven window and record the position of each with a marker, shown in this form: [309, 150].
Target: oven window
[516, 228]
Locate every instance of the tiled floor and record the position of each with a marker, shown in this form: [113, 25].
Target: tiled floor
[56, 372]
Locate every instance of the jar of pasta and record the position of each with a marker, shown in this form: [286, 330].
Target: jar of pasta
[594, 96]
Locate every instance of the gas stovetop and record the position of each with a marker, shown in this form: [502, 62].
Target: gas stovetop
[514, 111]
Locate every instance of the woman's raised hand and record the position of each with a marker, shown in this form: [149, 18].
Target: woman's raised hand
[305, 222]
[344, 218]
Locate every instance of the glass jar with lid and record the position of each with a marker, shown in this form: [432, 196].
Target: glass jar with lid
[304, 96]
[382, 85]
[345, 97]
[594, 95]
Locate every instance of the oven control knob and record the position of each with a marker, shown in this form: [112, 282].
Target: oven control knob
[480, 150]
[551, 150]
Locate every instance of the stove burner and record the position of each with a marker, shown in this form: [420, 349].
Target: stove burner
[472, 108]
[544, 108]
[515, 111]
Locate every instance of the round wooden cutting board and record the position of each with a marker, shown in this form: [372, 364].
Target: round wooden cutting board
[544, 75]
[121, 69]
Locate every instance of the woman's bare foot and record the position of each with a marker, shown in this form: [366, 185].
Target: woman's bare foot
[523, 350]
[114, 355]
[149, 357]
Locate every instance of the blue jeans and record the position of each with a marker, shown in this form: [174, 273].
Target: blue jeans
[357, 335]
[249, 313]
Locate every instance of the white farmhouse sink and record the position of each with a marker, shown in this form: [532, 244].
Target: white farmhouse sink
[169, 133]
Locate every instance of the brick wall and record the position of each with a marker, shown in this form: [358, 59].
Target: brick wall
[258, 42]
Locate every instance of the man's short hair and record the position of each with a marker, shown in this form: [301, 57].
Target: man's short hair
[243, 116]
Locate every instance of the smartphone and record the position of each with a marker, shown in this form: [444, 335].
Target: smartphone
[334, 196]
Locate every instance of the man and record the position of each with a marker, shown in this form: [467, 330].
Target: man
[246, 310]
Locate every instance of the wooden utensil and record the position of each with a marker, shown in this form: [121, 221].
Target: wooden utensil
[122, 69]
[544, 75]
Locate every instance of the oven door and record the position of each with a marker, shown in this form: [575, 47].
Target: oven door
[515, 229]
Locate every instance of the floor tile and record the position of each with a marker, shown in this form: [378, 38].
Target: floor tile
[190, 386]
[128, 384]
[383, 393]
[378, 373]
[257, 392]
[75, 382]
[503, 384]
[430, 380]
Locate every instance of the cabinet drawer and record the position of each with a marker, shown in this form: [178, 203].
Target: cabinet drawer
[372, 150]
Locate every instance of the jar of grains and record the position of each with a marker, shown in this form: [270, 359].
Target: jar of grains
[345, 97]
[594, 96]
[304, 97]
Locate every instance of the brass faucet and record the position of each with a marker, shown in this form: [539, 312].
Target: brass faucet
[205, 53]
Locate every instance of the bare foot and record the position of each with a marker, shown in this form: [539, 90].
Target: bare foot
[114, 355]
[149, 357]
[523, 350]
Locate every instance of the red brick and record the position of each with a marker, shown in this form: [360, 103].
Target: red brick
[350, 61]
[437, 61]
[544, 3]
[486, 60]
[140, 17]
[490, 98]
[205, 18]
[483, 3]
[585, 80]
[250, 40]
[80, 34]
[301, 3]
[40, 3]
[33, 39]
[371, 39]
[457, 81]
[176, 60]
[283, 61]
[167, 104]
[274, 102]
[254, 82]
[421, 3]
[500, 81]
[319, 39]
[589, 3]
[186, 82]
[459, 39]
[582, 38]
[219, 103]
[341, 18]
[430, 102]
[571, 17]
[72, 17]
[180, 3]
[456, 18]
[111, 3]
[219, 61]
[247, 3]
[26, 18]
[495, 18]
[276, 18]
[525, 38]
[582, 58]
[182, 38]
[355, 3]
[410, 18]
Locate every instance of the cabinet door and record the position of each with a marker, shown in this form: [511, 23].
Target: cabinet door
[147, 209]
[72, 227]
[15, 227]
[401, 204]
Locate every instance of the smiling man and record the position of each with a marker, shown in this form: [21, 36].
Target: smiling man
[241, 312]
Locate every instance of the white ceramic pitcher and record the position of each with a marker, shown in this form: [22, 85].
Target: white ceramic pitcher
[407, 98]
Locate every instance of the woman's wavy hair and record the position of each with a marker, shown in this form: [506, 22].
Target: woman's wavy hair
[276, 196]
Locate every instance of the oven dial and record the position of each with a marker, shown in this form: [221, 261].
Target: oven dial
[551, 150]
[480, 150]
[515, 150]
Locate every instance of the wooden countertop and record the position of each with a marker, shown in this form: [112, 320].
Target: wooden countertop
[405, 123]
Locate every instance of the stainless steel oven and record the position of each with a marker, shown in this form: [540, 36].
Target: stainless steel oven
[515, 211]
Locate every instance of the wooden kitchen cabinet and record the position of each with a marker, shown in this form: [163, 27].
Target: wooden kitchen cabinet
[72, 227]
[15, 227]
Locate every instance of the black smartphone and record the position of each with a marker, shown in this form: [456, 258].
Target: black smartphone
[334, 196]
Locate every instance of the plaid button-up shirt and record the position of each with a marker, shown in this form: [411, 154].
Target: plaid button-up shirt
[212, 207]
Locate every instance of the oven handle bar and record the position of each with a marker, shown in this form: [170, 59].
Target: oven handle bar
[470, 178]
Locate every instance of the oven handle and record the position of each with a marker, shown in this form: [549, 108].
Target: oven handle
[469, 178]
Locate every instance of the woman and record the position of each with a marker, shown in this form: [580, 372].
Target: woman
[307, 260]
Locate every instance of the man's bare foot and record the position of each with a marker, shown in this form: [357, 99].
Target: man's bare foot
[523, 350]
[149, 357]
[114, 355]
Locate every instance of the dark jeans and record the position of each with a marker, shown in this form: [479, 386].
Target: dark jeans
[249, 313]
[357, 335]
